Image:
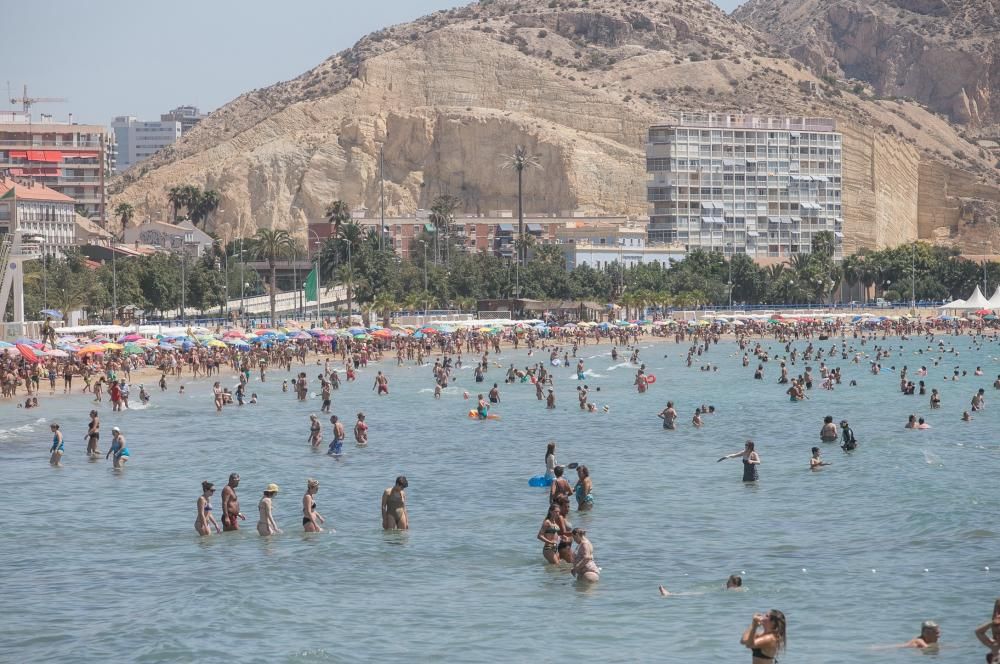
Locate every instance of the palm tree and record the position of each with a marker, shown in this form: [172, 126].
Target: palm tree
[345, 275]
[337, 213]
[384, 305]
[271, 246]
[204, 204]
[522, 244]
[125, 212]
[353, 234]
[177, 197]
[518, 161]
[442, 215]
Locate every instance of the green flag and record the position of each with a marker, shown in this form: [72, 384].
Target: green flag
[311, 286]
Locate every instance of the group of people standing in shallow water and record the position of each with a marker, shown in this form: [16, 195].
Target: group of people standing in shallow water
[118, 452]
[393, 509]
[556, 533]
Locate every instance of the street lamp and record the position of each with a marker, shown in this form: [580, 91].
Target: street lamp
[319, 296]
[913, 277]
[730, 284]
[350, 271]
[180, 238]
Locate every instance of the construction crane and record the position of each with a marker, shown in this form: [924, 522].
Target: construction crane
[27, 101]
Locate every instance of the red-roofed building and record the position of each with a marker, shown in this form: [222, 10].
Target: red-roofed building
[35, 209]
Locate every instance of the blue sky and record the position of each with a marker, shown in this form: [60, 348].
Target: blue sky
[118, 57]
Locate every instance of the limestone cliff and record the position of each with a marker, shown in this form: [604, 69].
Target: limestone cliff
[943, 53]
[577, 82]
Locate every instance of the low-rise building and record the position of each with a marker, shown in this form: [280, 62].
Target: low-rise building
[183, 236]
[38, 210]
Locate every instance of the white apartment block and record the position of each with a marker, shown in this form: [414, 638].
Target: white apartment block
[138, 140]
[731, 183]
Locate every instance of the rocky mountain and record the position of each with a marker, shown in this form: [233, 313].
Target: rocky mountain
[577, 82]
[942, 53]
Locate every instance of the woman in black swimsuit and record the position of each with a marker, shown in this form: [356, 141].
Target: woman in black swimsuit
[311, 519]
[765, 636]
[750, 461]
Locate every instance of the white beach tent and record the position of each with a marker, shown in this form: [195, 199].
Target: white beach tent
[954, 304]
[995, 300]
[977, 301]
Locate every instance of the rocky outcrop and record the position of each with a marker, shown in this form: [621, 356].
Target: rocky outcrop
[943, 53]
[447, 96]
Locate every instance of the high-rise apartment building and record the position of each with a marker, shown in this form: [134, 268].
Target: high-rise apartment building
[138, 140]
[73, 159]
[739, 183]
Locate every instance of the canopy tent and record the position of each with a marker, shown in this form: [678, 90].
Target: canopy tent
[954, 304]
[977, 301]
[995, 300]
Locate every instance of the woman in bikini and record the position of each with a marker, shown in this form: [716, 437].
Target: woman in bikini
[205, 518]
[315, 432]
[549, 535]
[765, 636]
[266, 525]
[311, 519]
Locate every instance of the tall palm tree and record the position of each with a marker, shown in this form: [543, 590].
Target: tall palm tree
[177, 197]
[442, 216]
[203, 206]
[352, 232]
[519, 161]
[125, 212]
[271, 246]
[337, 214]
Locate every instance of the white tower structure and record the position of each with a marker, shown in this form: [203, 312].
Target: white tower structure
[16, 249]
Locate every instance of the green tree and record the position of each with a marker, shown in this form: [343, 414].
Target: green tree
[338, 213]
[202, 205]
[271, 246]
[443, 216]
[125, 213]
[519, 161]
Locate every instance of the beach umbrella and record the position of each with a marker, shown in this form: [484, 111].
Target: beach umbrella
[113, 346]
[130, 337]
[91, 348]
[55, 314]
[357, 330]
[25, 341]
[382, 332]
[27, 352]
[362, 336]
[55, 352]
[419, 334]
[133, 349]
[4, 344]
[215, 343]
[990, 317]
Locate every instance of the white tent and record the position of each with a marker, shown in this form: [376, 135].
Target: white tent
[954, 304]
[995, 300]
[977, 301]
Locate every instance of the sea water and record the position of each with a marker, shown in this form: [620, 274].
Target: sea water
[104, 566]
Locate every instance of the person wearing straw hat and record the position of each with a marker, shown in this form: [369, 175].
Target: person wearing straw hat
[266, 525]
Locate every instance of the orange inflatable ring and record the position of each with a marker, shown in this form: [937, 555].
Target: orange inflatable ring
[650, 379]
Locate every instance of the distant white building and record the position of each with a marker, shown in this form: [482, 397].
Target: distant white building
[35, 209]
[138, 140]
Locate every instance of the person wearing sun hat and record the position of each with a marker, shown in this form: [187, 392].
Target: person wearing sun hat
[266, 526]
